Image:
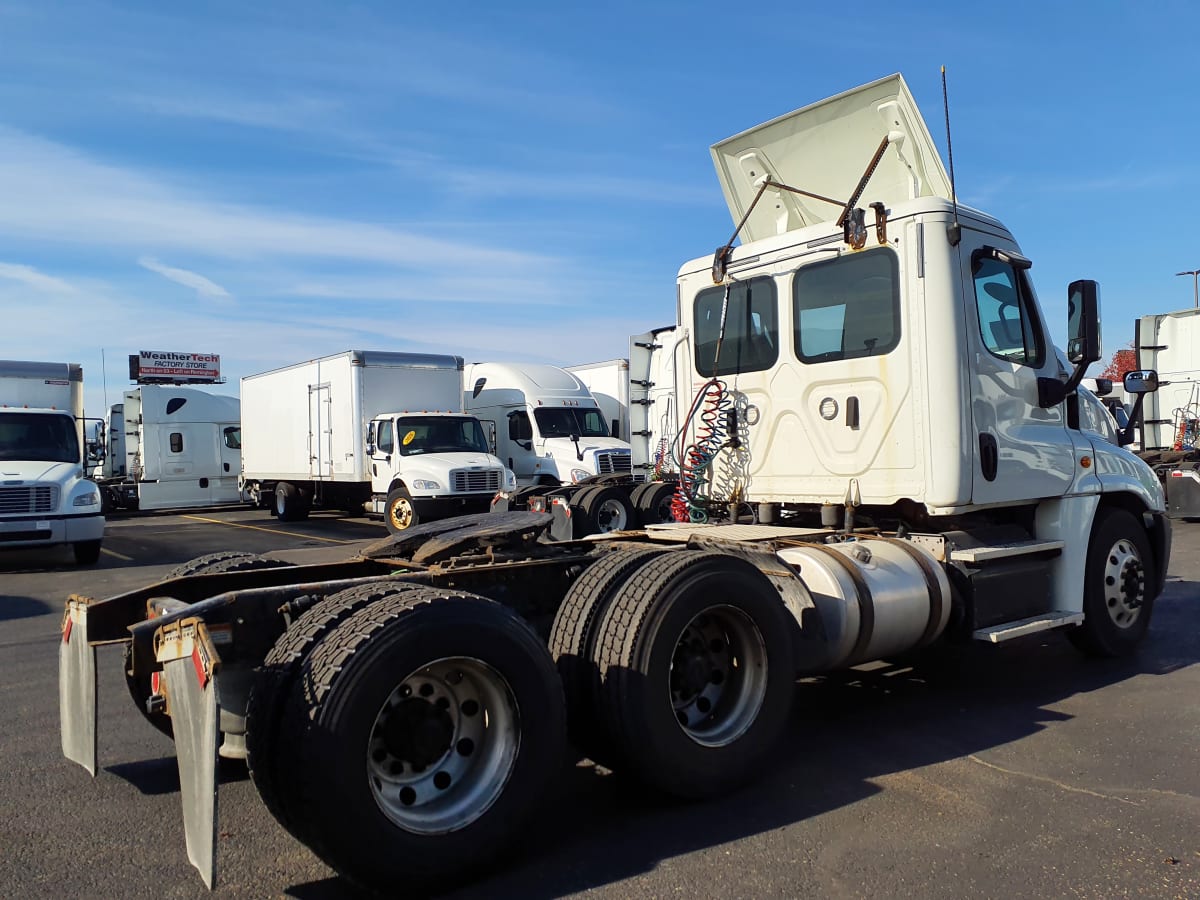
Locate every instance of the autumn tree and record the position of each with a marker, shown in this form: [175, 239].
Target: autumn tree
[1123, 360]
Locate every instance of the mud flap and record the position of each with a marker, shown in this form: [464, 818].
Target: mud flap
[190, 665]
[77, 688]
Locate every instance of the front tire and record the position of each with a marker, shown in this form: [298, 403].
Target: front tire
[1117, 587]
[427, 728]
[87, 553]
[401, 513]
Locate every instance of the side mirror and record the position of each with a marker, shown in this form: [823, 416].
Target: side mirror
[1083, 323]
[1144, 381]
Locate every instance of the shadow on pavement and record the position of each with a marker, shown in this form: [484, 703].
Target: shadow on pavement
[22, 607]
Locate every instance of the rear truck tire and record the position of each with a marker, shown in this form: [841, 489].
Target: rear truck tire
[269, 762]
[652, 501]
[696, 672]
[426, 728]
[606, 509]
[573, 639]
[400, 514]
[224, 561]
[87, 553]
[1117, 593]
[290, 503]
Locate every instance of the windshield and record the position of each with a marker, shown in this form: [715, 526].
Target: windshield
[439, 434]
[36, 436]
[566, 421]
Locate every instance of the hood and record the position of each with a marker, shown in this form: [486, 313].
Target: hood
[589, 444]
[824, 149]
[443, 462]
[36, 470]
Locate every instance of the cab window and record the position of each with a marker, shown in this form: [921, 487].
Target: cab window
[387, 440]
[1008, 322]
[751, 342]
[847, 308]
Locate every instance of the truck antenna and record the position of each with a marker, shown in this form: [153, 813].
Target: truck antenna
[954, 232]
[104, 378]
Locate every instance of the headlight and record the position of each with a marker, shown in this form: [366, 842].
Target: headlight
[426, 485]
[91, 498]
[580, 474]
[510, 480]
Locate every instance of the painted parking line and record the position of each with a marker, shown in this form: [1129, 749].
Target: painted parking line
[108, 552]
[291, 534]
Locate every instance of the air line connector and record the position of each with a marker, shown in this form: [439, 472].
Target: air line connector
[731, 428]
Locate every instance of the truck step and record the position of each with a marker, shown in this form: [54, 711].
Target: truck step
[978, 555]
[1009, 630]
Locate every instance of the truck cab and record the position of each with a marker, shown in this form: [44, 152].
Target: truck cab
[544, 423]
[431, 465]
[45, 497]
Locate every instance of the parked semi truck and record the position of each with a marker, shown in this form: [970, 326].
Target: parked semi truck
[45, 495]
[172, 447]
[890, 399]
[549, 428]
[1170, 419]
[366, 430]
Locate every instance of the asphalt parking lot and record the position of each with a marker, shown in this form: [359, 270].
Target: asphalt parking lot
[1021, 770]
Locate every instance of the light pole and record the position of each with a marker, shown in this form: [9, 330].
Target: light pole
[1195, 273]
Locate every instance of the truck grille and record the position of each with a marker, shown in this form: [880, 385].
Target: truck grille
[469, 481]
[614, 462]
[38, 498]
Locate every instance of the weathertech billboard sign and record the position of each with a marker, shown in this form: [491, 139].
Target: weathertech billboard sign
[157, 365]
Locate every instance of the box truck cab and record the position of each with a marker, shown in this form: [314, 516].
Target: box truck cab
[366, 430]
[45, 496]
[545, 423]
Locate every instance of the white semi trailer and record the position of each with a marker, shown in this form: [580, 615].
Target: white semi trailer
[45, 495]
[886, 393]
[370, 431]
[172, 447]
[1170, 419]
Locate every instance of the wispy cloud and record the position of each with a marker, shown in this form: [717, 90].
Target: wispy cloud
[197, 282]
[31, 277]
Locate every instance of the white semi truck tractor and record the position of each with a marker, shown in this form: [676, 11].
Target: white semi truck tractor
[880, 451]
[46, 498]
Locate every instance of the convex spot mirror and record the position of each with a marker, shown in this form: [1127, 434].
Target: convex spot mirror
[1083, 322]
[1143, 381]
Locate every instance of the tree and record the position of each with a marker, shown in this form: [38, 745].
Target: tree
[1123, 360]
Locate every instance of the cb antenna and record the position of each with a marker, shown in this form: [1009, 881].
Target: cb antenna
[954, 232]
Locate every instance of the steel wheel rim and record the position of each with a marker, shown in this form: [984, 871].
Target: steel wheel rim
[1124, 584]
[401, 513]
[443, 746]
[280, 502]
[718, 678]
[612, 516]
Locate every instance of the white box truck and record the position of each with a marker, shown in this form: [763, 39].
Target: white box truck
[1170, 418]
[367, 430]
[887, 394]
[172, 447]
[45, 495]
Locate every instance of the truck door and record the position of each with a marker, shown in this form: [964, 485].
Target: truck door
[229, 449]
[1021, 451]
[522, 458]
[381, 440]
[320, 431]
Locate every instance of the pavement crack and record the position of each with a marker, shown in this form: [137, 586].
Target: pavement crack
[1059, 784]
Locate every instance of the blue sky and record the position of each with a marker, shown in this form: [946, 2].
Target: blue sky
[278, 181]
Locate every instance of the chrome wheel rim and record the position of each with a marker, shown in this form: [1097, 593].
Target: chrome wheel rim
[1124, 584]
[718, 679]
[443, 746]
[612, 516]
